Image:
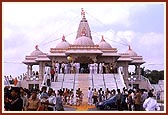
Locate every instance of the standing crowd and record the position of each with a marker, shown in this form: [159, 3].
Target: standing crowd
[19, 99]
[131, 100]
[75, 67]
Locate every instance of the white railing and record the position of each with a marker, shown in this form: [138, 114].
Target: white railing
[121, 77]
[147, 80]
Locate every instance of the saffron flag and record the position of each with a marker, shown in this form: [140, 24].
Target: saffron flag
[15, 81]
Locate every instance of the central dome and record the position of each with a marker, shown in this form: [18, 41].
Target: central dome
[83, 40]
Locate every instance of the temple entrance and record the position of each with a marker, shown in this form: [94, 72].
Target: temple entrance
[84, 68]
[84, 62]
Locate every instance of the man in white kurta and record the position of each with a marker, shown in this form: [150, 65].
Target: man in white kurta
[57, 66]
[100, 68]
[95, 68]
[91, 68]
[77, 67]
[150, 104]
[89, 96]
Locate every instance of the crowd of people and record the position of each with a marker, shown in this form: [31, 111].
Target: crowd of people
[46, 99]
[21, 99]
[75, 67]
[128, 99]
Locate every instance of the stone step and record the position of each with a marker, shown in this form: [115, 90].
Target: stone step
[85, 80]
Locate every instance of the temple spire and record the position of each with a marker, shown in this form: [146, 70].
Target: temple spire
[102, 38]
[36, 47]
[63, 38]
[82, 13]
[129, 47]
[83, 25]
[83, 33]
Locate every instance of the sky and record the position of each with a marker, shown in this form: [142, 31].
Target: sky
[25, 25]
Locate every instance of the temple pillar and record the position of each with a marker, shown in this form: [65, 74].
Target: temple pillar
[138, 71]
[125, 70]
[30, 71]
[40, 70]
[43, 70]
[124, 75]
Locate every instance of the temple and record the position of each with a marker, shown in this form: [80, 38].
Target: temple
[85, 52]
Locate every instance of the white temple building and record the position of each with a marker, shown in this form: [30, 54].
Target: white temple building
[86, 52]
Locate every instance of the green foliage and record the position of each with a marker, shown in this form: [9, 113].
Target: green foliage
[154, 76]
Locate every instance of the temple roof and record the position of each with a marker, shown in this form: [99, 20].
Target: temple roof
[84, 41]
[104, 45]
[36, 52]
[63, 44]
[83, 44]
[131, 52]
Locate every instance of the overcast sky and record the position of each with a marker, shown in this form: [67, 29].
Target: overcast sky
[28, 24]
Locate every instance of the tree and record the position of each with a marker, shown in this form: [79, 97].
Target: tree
[154, 76]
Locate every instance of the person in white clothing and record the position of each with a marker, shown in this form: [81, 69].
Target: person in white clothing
[92, 68]
[63, 68]
[66, 68]
[51, 101]
[45, 78]
[95, 68]
[100, 68]
[57, 67]
[150, 104]
[77, 67]
[89, 96]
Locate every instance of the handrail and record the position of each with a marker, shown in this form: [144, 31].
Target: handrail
[115, 81]
[121, 77]
[92, 82]
[63, 80]
[104, 81]
[74, 82]
[44, 80]
[147, 80]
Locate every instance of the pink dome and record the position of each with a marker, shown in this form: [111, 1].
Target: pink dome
[36, 52]
[131, 52]
[83, 40]
[104, 45]
[63, 44]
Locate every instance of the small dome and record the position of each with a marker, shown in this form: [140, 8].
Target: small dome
[131, 52]
[104, 45]
[83, 40]
[63, 44]
[36, 52]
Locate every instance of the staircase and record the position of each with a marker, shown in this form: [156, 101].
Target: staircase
[68, 81]
[119, 81]
[58, 85]
[98, 81]
[83, 81]
[110, 81]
